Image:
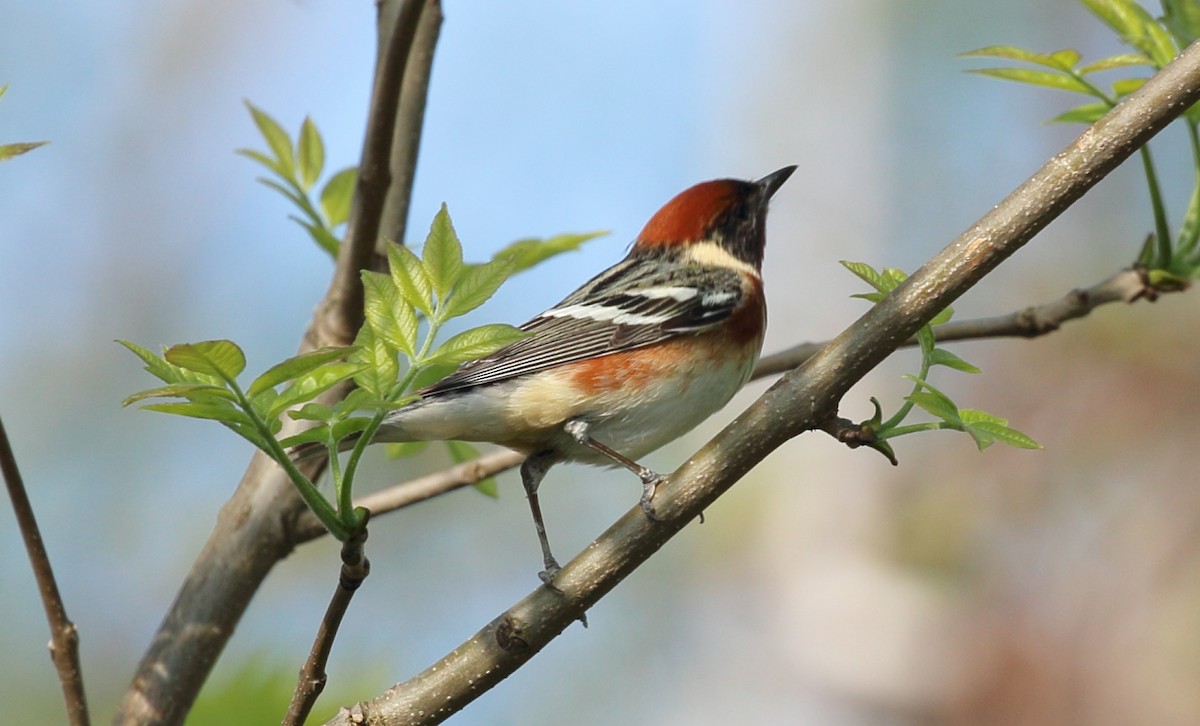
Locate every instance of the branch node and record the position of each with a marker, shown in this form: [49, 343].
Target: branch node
[509, 634]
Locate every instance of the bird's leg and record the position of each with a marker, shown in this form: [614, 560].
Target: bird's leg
[532, 472]
[578, 429]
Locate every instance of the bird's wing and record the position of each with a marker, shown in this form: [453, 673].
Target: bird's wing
[630, 305]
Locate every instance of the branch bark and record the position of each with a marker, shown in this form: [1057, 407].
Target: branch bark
[64, 638]
[801, 400]
[255, 528]
[1127, 285]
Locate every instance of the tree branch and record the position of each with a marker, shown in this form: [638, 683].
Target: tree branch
[1128, 285]
[798, 402]
[64, 638]
[355, 568]
[254, 528]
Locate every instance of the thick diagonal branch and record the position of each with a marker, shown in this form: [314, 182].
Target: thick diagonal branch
[1029, 322]
[798, 402]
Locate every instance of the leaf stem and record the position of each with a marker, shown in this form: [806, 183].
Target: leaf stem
[308, 491]
[1162, 231]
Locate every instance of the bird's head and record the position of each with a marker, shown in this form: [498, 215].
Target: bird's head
[729, 213]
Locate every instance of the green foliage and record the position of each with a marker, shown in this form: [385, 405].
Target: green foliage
[8, 151]
[395, 350]
[297, 167]
[1170, 260]
[983, 427]
[259, 692]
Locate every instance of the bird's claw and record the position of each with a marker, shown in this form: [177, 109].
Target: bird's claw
[547, 575]
[650, 482]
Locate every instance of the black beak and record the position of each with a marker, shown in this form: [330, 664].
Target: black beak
[771, 182]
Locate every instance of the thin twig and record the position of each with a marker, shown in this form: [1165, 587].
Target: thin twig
[355, 568]
[1127, 285]
[419, 489]
[64, 638]
[798, 402]
[1030, 322]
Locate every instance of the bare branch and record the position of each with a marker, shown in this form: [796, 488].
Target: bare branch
[64, 638]
[419, 489]
[798, 402]
[340, 313]
[1036, 320]
[406, 139]
[355, 568]
[1127, 285]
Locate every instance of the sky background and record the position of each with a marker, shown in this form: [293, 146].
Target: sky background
[827, 587]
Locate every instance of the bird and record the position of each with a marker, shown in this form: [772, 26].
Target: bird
[636, 357]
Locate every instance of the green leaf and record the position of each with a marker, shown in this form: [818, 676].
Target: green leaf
[525, 253]
[323, 237]
[220, 358]
[866, 273]
[1060, 60]
[381, 368]
[463, 452]
[337, 194]
[1136, 27]
[316, 435]
[1088, 113]
[476, 343]
[937, 405]
[293, 195]
[310, 154]
[155, 365]
[223, 411]
[311, 411]
[1049, 79]
[276, 138]
[406, 449]
[934, 401]
[1008, 52]
[410, 278]
[349, 426]
[432, 373]
[942, 317]
[925, 341]
[296, 366]
[1182, 18]
[442, 254]
[389, 315]
[8, 151]
[943, 357]
[353, 401]
[1126, 86]
[1189, 231]
[476, 285]
[192, 391]
[892, 277]
[1121, 60]
[267, 161]
[312, 384]
[987, 428]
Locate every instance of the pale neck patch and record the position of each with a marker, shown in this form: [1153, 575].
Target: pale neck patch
[713, 255]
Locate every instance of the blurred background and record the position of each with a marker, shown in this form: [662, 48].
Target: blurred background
[1031, 587]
